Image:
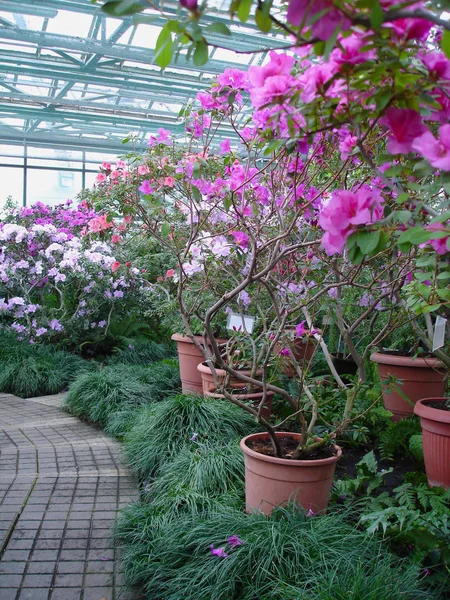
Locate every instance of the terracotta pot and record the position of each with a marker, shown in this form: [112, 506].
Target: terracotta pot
[436, 441]
[302, 349]
[190, 357]
[208, 384]
[271, 482]
[420, 377]
[255, 398]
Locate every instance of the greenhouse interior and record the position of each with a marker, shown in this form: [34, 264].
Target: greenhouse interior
[224, 300]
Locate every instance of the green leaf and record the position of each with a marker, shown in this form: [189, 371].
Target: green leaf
[402, 198]
[355, 255]
[196, 193]
[227, 203]
[164, 47]
[263, 21]
[445, 43]
[368, 241]
[165, 229]
[376, 15]
[330, 43]
[201, 53]
[443, 275]
[122, 8]
[243, 12]
[219, 28]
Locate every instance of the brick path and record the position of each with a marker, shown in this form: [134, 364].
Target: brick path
[61, 483]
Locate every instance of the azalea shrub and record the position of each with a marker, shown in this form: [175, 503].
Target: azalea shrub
[63, 279]
[318, 176]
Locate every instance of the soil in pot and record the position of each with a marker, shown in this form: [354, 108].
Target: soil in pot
[288, 447]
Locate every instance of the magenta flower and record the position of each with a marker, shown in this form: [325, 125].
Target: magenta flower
[437, 64]
[285, 352]
[146, 188]
[234, 541]
[310, 513]
[300, 329]
[193, 437]
[303, 11]
[437, 152]
[240, 238]
[411, 29]
[189, 4]
[218, 552]
[224, 146]
[405, 125]
[344, 212]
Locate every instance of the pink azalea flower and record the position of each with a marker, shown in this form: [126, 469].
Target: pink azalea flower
[240, 238]
[300, 329]
[437, 64]
[189, 4]
[115, 239]
[437, 152]
[315, 78]
[405, 124]
[224, 146]
[350, 53]
[115, 266]
[302, 11]
[146, 188]
[347, 145]
[411, 29]
[344, 212]
[143, 169]
[285, 352]
[170, 273]
[441, 245]
[101, 177]
[218, 552]
[169, 181]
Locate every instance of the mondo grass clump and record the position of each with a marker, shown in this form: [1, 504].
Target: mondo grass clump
[29, 370]
[164, 428]
[162, 378]
[96, 396]
[199, 477]
[228, 555]
[141, 352]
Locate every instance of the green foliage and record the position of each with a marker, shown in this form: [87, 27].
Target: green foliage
[95, 396]
[141, 352]
[282, 556]
[199, 477]
[368, 478]
[164, 428]
[401, 436]
[28, 370]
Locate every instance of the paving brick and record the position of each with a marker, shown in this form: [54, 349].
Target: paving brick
[98, 593]
[69, 580]
[67, 594]
[34, 594]
[71, 566]
[37, 580]
[8, 593]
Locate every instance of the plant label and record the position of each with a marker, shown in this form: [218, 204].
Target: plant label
[439, 333]
[239, 322]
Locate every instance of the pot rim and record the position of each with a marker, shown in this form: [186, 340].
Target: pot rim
[203, 367]
[285, 462]
[430, 413]
[251, 396]
[179, 337]
[406, 361]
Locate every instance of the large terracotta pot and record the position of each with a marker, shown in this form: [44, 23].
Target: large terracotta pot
[420, 378]
[271, 482]
[208, 384]
[255, 398]
[190, 357]
[436, 441]
[301, 348]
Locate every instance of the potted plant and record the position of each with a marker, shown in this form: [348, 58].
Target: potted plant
[299, 214]
[434, 416]
[296, 345]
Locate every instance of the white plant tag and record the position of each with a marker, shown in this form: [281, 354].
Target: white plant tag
[439, 333]
[240, 322]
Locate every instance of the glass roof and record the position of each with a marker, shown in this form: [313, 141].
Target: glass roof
[70, 74]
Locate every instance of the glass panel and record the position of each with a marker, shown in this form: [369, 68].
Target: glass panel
[9, 150]
[98, 157]
[58, 163]
[52, 187]
[39, 152]
[11, 160]
[90, 179]
[12, 185]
